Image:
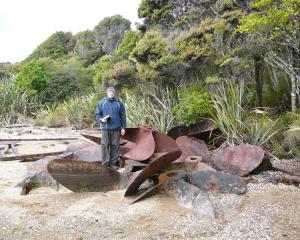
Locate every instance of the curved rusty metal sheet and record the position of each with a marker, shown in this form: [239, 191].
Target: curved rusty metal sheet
[241, 159]
[150, 170]
[81, 176]
[205, 125]
[145, 145]
[191, 146]
[164, 143]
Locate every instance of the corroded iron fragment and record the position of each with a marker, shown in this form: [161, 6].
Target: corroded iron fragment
[81, 176]
[240, 160]
[145, 145]
[215, 181]
[204, 126]
[150, 170]
[191, 146]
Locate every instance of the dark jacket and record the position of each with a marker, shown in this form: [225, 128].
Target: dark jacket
[115, 109]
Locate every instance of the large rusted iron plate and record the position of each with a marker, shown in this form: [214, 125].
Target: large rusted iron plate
[38, 176]
[241, 159]
[145, 145]
[150, 170]
[191, 146]
[81, 176]
[164, 143]
[205, 125]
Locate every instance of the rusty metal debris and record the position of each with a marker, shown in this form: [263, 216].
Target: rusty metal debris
[150, 170]
[191, 146]
[241, 159]
[144, 143]
[204, 126]
[81, 176]
[179, 164]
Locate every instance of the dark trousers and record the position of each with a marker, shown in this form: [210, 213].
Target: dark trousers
[110, 147]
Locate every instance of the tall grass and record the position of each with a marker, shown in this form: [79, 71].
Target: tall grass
[151, 109]
[15, 104]
[234, 121]
[76, 111]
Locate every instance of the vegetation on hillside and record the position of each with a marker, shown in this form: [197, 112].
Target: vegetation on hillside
[234, 61]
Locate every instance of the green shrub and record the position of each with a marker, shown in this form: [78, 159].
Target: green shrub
[193, 105]
[235, 123]
[32, 77]
[14, 103]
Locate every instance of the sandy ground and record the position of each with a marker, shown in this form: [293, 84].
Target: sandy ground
[266, 211]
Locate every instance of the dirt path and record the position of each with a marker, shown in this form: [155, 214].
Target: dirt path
[267, 211]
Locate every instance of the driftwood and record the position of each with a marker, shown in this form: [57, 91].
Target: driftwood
[35, 139]
[30, 157]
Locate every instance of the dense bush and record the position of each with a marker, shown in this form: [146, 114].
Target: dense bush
[15, 104]
[32, 77]
[194, 103]
[57, 45]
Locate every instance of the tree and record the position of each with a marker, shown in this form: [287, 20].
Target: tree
[54, 47]
[128, 44]
[102, 65]
[32, 77]
[110, 32]
[61, 85]
[277, 23]
[86, 47]
[121, 74]
[169, 14]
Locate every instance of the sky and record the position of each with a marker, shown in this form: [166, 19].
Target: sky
[24, 24]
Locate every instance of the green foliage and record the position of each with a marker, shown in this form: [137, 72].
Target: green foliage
[150, 48]
[212, 79]
[273, 19]
[110, 32]
[119, 75]
[15, 104]
[151, 109]
[194, 103]
[32, 77]
[61, 85]
[128, 44]
[194, 44]
[232, 119]
[102, 65]
[76, 111]
[86, 47]
[54, 47]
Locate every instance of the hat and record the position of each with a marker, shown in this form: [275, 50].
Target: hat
[111, 89]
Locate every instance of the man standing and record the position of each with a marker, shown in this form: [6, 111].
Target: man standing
[110, 112]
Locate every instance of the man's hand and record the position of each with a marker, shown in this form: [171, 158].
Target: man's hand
[104, 120]
[122, 131]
